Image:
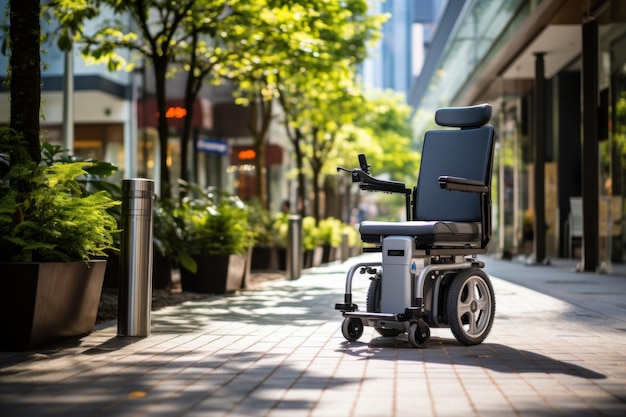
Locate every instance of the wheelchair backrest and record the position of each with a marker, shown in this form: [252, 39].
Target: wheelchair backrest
[465, 152]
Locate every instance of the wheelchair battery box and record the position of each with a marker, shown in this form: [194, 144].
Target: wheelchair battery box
[397, 282]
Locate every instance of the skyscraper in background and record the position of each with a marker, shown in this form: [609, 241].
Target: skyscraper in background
[398, 58]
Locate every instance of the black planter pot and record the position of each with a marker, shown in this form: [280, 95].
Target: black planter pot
[282, 258]
[216, 274]
[41, 303]
[264, 259]
[161, 271]
[112, 272]
[329, 254]
[307, 259]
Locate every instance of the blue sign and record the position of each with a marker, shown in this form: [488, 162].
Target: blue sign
[215, 146]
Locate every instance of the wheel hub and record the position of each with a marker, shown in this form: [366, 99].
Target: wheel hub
[473, 306]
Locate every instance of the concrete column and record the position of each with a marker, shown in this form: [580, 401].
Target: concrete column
[590, 154]
[540, 156]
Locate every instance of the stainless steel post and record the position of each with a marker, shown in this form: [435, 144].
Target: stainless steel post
[135, 291]
[345, 247]
[294, 247]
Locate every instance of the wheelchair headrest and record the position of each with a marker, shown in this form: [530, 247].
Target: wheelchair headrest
[464, 117]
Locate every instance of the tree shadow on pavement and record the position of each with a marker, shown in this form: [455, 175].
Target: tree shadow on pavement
[493, 356]
[289, 305]
[241, 383]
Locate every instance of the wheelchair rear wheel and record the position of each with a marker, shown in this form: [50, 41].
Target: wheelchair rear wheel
[373, 306]
[471, 306]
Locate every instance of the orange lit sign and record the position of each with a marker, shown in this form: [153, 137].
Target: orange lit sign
[246, 154]
[176, 112]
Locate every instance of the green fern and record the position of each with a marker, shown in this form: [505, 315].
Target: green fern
[45, 215]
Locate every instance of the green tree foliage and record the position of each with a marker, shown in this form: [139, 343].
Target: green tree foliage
[329, 107]
[303, 54]
[161, 33]
[382, 131]
[301, 50]
[45, 213]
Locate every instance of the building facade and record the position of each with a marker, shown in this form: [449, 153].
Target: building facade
[396, 60]
[555, 73]
[111, 116]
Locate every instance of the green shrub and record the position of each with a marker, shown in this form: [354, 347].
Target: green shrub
[45, 212]
[211, 224]
[267, 228]
[330, 231]
[310, 233]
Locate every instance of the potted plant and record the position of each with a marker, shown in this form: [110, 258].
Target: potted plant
[51, 228]
[354, 240]
[213, 241]
[311, 243]
[95, 179]
[280, 228]
[263, 226]
[164, 237]
[330, 234]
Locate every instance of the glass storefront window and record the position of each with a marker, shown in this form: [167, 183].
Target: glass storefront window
[476, 33]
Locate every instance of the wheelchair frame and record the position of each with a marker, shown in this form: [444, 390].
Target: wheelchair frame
[440, 286]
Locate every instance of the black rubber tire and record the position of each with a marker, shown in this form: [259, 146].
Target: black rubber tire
[471, 306]
[352, 328]
[373, 306]
[419, 334]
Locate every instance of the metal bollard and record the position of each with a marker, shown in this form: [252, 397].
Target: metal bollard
[345, 247]
[294, 247]
[135, 291]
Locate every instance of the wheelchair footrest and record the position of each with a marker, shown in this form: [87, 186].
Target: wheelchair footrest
[346, 307]
[377, 316]
[414, 312]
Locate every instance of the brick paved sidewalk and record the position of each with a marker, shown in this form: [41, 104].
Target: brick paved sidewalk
[279, 352]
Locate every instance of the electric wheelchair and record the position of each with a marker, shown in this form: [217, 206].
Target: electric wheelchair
[429, 275]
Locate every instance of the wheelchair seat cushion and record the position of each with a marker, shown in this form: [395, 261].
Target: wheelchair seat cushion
[427, 234]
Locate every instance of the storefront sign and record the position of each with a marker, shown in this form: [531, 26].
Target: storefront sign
[176, 112]
[246, 155]
[213, 146]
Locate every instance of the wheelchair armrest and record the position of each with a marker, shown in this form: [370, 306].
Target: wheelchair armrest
[369, 183]
[462, 184]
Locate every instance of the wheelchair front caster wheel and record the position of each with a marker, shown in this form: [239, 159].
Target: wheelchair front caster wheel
[352, 328]
[419, 334]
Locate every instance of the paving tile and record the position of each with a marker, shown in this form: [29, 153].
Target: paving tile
[278, 351]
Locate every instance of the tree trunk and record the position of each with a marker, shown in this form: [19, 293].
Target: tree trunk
[25, 32]
[332, 202]
[316, 193]
[260, 118]
[301, 203]
[316, 167]
[160, 68]
[185, 138]
[192, 88]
